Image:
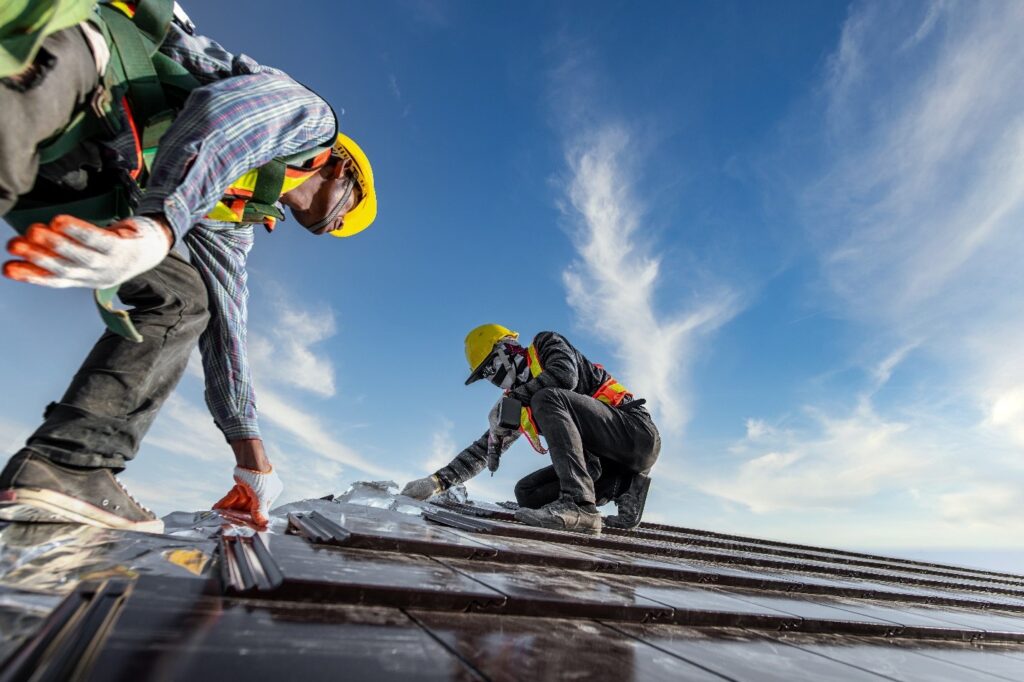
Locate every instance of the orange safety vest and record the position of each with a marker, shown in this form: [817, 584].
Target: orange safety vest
[611, 392]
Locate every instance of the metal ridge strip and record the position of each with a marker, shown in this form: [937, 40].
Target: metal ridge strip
[447, 518]
[821, 554]
[247, 565]
[599, 542]
[318, 528]
[65, 645]
[863, 555]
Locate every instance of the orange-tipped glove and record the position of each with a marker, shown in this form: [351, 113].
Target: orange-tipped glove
[75, 253]
[253, 494]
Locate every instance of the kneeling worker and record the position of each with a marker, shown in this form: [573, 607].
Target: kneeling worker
[602, 441]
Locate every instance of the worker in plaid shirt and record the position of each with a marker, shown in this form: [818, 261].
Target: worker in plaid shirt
[178, 257]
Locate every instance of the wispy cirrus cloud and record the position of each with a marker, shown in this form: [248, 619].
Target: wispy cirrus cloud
[185, 428]
[616, 280]
[289, 352]
[914, 211]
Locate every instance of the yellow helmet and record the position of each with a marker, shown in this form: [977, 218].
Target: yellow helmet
[360, 217]
[479, 345]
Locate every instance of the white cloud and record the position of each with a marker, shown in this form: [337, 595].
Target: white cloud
[915, 215]
[164, 497]
[614, 283]
[184, 428]
[989, 504]
[442, 447]
[310, 432]
[918, 207]
[303, 445]
[836, 463]
[284, 352]
[1006, 413]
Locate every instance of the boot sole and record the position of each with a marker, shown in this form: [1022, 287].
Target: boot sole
[39, 505]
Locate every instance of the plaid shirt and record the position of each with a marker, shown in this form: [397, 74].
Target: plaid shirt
[243, 116]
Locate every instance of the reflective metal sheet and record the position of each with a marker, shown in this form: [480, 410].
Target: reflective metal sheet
[513, 648]
[51, 558]
[903, 660]
[355, 576]
[744, 656]
[554, 592]
[167, 632]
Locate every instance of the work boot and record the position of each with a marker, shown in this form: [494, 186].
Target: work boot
[32, 488]
[562, 514]
[630, 504]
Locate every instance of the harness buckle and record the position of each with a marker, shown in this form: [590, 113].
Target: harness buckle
[101, 103]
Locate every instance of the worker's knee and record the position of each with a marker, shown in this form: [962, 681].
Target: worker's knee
[522, 491]
[547, 398]
[533, 496]
[171, 296]
[189, 297]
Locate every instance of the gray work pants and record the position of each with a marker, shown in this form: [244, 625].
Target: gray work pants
[574, 425]
[64, 85]
[115, 395]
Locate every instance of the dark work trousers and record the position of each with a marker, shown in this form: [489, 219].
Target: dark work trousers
[117, 392]
[543, 487]
[66, 80]
[575, 425]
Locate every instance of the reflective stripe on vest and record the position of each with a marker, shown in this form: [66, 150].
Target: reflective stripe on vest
[612, 393]
[528, 427]
[237, 197]
[533, 360]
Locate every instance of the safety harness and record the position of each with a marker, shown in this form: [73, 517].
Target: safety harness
[141, 92]
[611, 392]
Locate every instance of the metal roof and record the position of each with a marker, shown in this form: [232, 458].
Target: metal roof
[376, 586]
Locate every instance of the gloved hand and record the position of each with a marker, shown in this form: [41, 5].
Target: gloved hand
[253, 493]
[422, 488]
[499, 439]
[74, 253]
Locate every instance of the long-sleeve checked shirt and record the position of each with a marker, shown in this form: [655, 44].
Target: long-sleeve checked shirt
[243, 116]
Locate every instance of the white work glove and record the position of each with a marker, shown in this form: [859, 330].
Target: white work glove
[499, 439]
[422, 488]
[75, 253]
[254, 493]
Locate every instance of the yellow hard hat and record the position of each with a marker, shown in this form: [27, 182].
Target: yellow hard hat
[360, 217]
[479, 344]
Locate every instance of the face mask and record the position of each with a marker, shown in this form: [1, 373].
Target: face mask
[508, 368]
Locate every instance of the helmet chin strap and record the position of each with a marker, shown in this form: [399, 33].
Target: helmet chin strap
[332, 215]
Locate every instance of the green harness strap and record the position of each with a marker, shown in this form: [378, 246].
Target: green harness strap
[150, 80]
[139, 71]
[266, 192]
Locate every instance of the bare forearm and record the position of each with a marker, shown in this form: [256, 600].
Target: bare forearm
[249, 454]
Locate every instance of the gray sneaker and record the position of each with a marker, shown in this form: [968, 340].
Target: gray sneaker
[562, 514]
[32, 488]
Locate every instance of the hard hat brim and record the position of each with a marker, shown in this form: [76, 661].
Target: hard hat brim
[477, 374]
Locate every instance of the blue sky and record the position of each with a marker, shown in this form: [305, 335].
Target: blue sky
[793, 227]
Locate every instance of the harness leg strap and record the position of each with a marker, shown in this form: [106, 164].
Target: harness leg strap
[116, 320]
